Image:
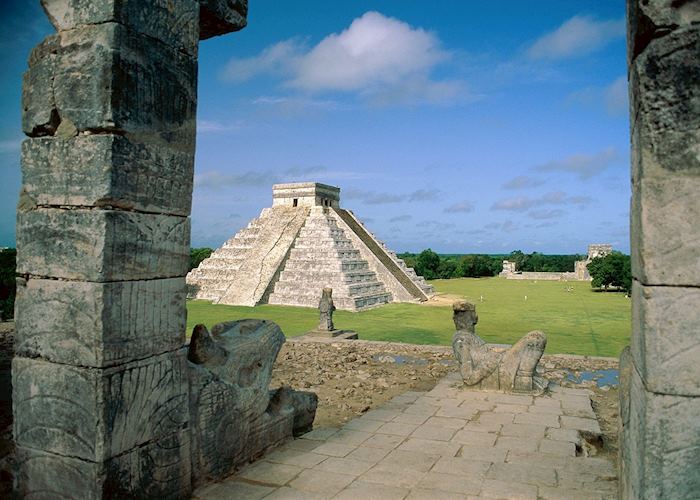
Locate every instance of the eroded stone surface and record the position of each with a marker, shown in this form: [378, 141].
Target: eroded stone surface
[101, 245]
[107, 171]
[160, 469]
[665, 90]
[95, 414]
[217, 17]
[120, 85]
[98, 324]
[661, 443]
[101, 387]
[174, 22]
[665, 354]
[659, 398]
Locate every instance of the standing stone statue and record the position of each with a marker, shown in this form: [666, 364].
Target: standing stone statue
[326, 328]
[325, 309]
[485, 368]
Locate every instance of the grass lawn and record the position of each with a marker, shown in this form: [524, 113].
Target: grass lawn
[578, 322]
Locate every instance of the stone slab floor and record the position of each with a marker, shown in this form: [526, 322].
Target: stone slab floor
[444, 444]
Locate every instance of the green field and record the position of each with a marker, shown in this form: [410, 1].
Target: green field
[578, 322]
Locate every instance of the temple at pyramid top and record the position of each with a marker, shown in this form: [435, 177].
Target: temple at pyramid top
[300, 245]
[305, 194]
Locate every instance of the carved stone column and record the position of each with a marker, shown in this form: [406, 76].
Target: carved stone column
[660, 393]
[103, 234]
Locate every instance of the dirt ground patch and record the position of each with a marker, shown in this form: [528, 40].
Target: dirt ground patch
[442, 300]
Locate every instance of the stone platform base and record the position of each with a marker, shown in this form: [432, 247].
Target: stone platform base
[333, 334]
[446, 443]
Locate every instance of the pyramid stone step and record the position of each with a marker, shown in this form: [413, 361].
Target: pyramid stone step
[332, 275]
[325, 253]
[339, 288]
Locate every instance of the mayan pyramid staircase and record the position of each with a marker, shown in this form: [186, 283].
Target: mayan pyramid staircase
[406, 276]
[241, 270]
[305, 242]
[323, 255]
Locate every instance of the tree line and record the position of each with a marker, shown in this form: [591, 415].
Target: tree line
[431, 265]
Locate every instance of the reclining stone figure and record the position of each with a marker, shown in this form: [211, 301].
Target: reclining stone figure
[485, 368]
[233, 415]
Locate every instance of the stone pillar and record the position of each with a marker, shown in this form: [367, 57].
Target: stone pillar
[100, 378]
[660, 394]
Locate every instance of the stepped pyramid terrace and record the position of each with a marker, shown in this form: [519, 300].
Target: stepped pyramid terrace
[300, 245]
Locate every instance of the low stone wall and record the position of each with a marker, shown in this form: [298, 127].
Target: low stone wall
[541, 276]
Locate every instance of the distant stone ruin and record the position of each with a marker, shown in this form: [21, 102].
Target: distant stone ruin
[300, 245]
[483, 367]
[580, 272]
[594, 250]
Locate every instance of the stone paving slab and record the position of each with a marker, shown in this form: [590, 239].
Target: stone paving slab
[447, 443]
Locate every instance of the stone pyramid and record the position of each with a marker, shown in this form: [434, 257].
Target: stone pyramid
[301, 244]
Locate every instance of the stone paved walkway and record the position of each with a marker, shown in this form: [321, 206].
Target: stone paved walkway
[444, 444]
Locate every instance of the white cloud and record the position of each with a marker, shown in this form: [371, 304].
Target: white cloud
[524, 203]
[522, 182]
[612, 98]
[584, 166]
[216, 127]
[579, 35]
[552, 213]
[377, 198]
[424, 195]
[615, 95]
[383, 59]
[372, 197]
[10, 145]
[434, 225]
[277, 58]
[375, 49]
[215, 179]
[461, 207]
[293, 105]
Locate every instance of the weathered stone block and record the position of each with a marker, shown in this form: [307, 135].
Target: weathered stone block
[99, 324]
[665, 231]
[665, 89]
[96, 414]
[665, 350]
[107, 78]
[650, 19]
[218, 17]
[174, 22]
[160, 469]
[108, 170]
[662, 444]
[101, 245]
[625, 439]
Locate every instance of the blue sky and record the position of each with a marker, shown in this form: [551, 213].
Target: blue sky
[462, 126]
